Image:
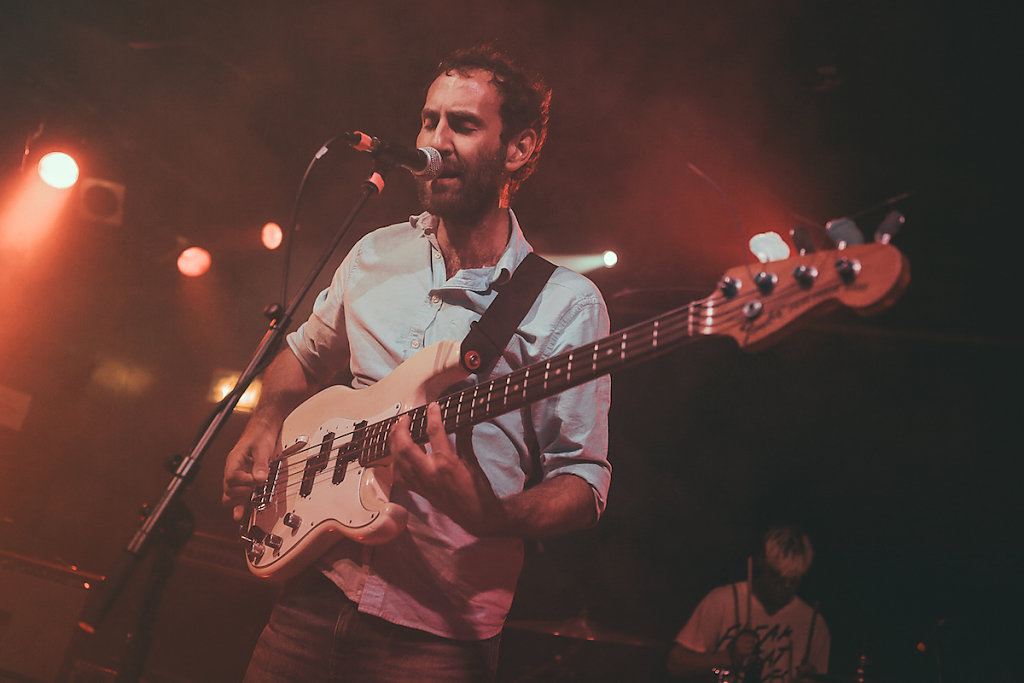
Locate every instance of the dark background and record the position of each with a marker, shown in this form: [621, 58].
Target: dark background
[892, 439]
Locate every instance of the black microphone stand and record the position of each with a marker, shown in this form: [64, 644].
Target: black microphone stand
[168, 523]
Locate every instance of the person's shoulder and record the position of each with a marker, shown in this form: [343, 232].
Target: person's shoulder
[577, 286]
[727, 590]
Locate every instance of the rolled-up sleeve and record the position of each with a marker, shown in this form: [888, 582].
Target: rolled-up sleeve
[572, 426]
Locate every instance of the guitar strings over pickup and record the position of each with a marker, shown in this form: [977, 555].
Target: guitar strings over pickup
[262, 496]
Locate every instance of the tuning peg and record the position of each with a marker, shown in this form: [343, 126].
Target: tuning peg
[769, 246]
[889, 226]
[802, 240]
[844, 232]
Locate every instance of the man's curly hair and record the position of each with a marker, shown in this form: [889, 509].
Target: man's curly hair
[525, 97]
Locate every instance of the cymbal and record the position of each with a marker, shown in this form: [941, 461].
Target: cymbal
[580, 628]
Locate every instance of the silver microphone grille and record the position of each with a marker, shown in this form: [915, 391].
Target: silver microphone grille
[434, 164]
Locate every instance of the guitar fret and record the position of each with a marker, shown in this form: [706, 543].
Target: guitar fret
[446, 410]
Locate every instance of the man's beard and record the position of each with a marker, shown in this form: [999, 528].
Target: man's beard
[478, 191]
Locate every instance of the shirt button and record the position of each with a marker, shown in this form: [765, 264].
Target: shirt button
[435, 299]
[415, 343]
[437, 254]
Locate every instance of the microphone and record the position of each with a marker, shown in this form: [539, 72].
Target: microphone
[424, 162]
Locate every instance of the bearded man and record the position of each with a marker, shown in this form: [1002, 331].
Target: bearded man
[430, 604]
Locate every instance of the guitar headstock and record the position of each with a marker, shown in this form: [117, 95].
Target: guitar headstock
[865, 277]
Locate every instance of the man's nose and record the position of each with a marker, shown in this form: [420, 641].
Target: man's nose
[440, 138]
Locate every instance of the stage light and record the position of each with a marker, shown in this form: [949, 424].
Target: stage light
[584, 263]
[224, 381]
[123, 377]
[272, 236]
[58, 170]
[769, 246]
[194, 261]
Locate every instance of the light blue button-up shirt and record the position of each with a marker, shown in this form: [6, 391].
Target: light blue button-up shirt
[391, 297]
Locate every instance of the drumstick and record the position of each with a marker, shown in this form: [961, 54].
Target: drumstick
[810, 631]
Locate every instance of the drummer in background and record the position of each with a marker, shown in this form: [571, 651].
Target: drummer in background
[757, 630]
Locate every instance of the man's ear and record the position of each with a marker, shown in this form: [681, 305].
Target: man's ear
[519, 150]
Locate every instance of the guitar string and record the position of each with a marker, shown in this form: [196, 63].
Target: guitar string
[374, 443]
[670, 331]
[719, 305]
[521, 371]
[491, 399]
[721, 314]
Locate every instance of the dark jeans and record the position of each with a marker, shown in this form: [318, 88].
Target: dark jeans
[315, 633]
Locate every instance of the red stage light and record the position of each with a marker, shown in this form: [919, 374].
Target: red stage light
[194, 261]
[58, 170]
[272, 236]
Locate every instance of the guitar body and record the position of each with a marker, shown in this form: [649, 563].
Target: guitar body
[290, 524]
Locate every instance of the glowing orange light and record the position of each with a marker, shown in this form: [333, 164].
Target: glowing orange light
[58, 170]
[31, 214]
[224, 381]
[194, 261]
[272, 236]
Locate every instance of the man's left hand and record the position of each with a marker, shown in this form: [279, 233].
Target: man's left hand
[454, 484]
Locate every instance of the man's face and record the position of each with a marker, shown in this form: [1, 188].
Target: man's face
[461, 118]
[773, 589]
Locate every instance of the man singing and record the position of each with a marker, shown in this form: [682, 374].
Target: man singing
[430, 604]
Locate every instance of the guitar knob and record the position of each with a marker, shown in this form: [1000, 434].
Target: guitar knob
[273, 541]
[253, 535]
[805, 275]
[292, 520]
[766, 282]
[730, 286]
[847, 269]
[255, 552]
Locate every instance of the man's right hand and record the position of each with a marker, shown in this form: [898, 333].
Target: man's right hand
[247, 465]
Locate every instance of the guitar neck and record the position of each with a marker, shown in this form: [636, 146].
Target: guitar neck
[749, 308]
[530, 384]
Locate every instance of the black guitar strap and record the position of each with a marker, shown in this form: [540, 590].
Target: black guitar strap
[489, 336]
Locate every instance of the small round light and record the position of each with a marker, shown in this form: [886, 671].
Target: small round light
[610, 259]
[194, 261]
[272, 235]
[58, 170]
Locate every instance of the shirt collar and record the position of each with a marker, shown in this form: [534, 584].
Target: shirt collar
[480, 279]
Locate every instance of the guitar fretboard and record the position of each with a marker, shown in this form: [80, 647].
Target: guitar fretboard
[530, 384]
